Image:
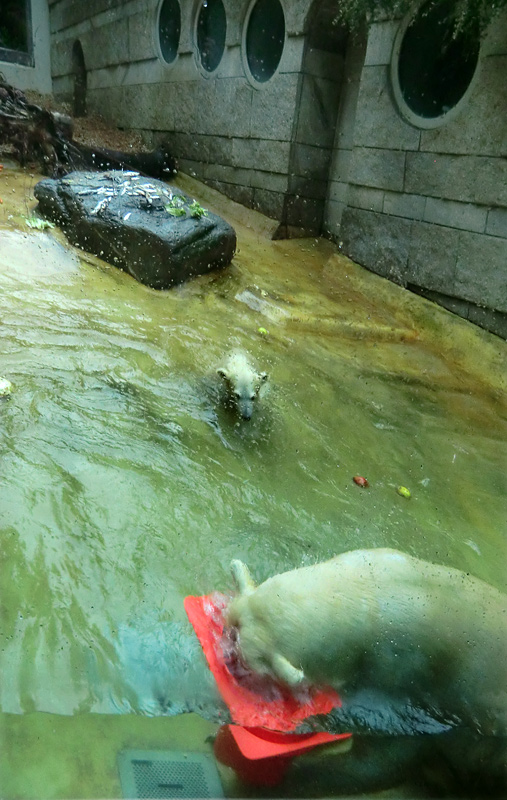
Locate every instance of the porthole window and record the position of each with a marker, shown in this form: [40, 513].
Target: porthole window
[211, 29]
[169, 29]
[264, 39]
[433, 66]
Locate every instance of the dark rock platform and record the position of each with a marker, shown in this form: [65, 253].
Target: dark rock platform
[146, 227]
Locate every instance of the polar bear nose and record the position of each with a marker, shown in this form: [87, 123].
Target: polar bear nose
[245, 406]
[246, 409]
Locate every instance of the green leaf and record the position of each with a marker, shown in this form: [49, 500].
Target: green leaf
[38, 223]
[196, 210]
[175, 211]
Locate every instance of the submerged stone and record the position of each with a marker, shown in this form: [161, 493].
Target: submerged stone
[145, 227]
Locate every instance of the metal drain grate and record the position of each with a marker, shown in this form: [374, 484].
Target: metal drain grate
[162, 774]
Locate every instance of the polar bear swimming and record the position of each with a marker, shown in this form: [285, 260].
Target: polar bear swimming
[243, 383]
[411, 646]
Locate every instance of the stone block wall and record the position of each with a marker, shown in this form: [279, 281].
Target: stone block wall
[322, 146]
[232, 134]
[428, 207]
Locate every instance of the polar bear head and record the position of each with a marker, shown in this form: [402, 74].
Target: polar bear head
[257, 646]
[243, 383]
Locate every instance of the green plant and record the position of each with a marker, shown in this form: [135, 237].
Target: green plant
[196, 210]
[470, 16]
[178, 207]
[38, 223]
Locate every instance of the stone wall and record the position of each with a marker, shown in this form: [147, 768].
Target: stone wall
[428, 208]
[223, 130]
[322, 146]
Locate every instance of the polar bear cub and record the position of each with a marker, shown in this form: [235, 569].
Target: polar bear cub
[242, 382]
[425, 635]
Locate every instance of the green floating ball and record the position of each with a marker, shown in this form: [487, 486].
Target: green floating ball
[404, 491]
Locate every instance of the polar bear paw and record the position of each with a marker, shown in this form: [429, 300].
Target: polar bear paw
[287, 672]
[242, 577]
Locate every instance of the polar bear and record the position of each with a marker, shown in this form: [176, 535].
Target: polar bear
[412, 648]
[243, 383]
[416, 633]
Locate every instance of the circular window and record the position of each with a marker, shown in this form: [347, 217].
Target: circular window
[265, 38]
[433, 66]
[169, 29]
[211, 28]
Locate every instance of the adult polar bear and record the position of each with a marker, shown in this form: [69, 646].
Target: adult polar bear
[411, 646]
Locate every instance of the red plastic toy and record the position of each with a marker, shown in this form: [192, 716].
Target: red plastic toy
[261, 743]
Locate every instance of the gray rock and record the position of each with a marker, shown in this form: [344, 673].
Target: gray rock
[145, 227]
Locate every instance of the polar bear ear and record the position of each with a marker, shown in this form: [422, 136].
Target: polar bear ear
[242, 577]
[222, 372]
[287, 673]
[263, 376]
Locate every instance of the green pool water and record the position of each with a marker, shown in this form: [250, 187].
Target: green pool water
[124, 487]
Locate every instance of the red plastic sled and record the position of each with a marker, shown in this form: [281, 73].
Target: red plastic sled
[253, 700]
[261, 744]
[262, 757]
